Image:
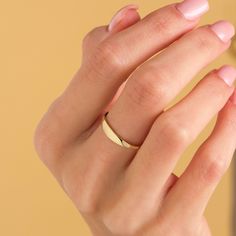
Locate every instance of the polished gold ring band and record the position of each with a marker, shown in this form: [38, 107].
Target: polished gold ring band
[113, 136]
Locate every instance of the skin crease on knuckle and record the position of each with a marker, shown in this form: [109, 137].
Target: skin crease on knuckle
[107, 55]
[162, 23]
[213, 168]
[82, 177]
[145, 91]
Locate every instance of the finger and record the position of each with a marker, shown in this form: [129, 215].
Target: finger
[160, 79]
[114, 59]
[124, 18]
[173, 131]
[199, 180]
[62, 112]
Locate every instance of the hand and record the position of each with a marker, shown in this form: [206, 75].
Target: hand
[124, 191]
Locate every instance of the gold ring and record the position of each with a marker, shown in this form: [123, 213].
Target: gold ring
[113, 136]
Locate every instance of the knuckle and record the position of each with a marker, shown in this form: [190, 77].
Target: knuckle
[39, 137]
[106, 59]
[89, 36]
[45, 139]
[42, 139]
[213, 168]
[149, 88]
[44, 147]
[173, 132]
[204, 41]
[162, 23]
[38, 140]
[108, 53]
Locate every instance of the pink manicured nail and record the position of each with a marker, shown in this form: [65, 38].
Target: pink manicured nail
[193, 9]
[233, 97]
[120, 14]
[224, 30]
[228, 74]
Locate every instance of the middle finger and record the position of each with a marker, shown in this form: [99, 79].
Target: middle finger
[160, 79]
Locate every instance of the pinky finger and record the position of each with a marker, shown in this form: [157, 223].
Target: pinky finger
[198, 182]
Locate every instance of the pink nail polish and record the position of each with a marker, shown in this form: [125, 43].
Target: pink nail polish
[224, 30]
[228, 74]
[193, 9]
[233, 97]
[120, 14]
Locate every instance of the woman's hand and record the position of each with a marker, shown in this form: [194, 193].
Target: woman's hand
[123, 191]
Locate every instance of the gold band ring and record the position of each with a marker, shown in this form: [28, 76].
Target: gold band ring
[113, 136]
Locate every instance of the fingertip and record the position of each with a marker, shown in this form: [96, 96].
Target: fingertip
[228, 74]
[124, 18]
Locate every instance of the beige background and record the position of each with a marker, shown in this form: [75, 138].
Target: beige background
[40, 51]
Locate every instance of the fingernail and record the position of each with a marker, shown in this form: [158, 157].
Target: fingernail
[224, 30]
[228, 74]
[233, 97]
[193, 9]
[120, 14]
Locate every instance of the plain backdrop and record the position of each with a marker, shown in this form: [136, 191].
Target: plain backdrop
[40, 51]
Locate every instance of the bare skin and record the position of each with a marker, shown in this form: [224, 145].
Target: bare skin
[122, 191]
